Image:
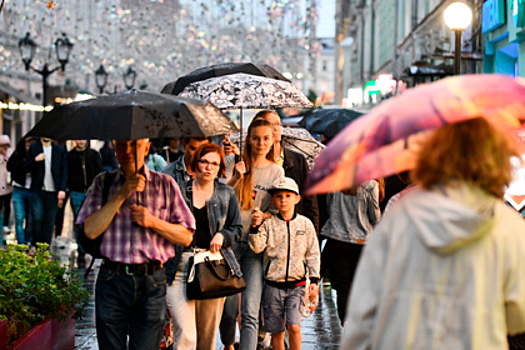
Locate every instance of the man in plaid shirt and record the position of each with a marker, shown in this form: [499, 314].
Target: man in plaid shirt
[139, 236]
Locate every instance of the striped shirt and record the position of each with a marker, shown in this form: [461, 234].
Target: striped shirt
[126, 243]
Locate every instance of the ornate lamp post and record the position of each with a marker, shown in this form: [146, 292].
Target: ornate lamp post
[129, 78]
[458, 17]
[101, 78]
[27, 51]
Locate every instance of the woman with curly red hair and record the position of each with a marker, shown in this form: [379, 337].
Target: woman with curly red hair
[444, 269]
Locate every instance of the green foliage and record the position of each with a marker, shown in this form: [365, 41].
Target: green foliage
[312, 96]
[35, 288]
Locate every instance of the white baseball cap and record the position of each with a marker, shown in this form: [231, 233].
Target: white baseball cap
[5, 140]
[284, 184]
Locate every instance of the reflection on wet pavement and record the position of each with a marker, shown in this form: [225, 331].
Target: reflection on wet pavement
[320, 331]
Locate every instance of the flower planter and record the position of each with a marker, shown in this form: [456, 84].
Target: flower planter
[3, 335]
[49, 334]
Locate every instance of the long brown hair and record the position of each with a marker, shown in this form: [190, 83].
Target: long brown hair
[473, 152]
[246, 186]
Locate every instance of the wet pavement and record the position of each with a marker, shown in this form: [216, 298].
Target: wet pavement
[321, 331]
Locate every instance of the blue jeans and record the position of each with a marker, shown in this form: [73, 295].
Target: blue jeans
[45, 206]
[252, 269]
[130, 304]
[76, 199]
[22, 199]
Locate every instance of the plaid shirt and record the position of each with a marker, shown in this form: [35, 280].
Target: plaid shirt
[126, 243]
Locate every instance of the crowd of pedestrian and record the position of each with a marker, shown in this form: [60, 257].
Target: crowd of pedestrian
[445, 242]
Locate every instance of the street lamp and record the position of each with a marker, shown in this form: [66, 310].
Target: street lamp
[101, 78]
[129, 78]
[63, 48]
[458, 17]
[27, 50]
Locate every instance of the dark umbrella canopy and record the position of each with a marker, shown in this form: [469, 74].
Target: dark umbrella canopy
[219, 70]
[133, 115]
[328, 122]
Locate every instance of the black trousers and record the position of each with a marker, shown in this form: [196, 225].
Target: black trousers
[341, 260]
[5, 205]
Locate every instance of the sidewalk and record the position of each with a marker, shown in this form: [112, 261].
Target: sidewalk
[321, 331]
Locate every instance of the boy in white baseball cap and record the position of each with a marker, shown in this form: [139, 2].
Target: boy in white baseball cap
[290, 246]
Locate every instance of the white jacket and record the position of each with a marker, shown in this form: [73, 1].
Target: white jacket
[443, 270]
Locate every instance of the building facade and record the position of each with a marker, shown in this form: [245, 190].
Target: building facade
[405, 40]
[504, 29]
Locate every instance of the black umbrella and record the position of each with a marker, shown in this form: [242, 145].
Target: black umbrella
[133, 115]
[219, 70]
[239, 86]
[328, 122]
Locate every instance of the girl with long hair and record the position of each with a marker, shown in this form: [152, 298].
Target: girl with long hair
[253, 177]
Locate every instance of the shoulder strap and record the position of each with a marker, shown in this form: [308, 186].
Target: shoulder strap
[106, 185]
[108, 179]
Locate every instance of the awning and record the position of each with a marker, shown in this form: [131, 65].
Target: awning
[20, 96]
[441, 70]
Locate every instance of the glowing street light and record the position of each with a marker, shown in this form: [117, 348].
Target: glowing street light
[458, 17]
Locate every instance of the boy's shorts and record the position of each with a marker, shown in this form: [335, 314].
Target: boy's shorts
[282, 307]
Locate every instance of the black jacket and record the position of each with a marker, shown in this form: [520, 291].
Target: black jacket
[295, 167]
[15, 165]
[37, 169]
[109, 159]
[75, 173]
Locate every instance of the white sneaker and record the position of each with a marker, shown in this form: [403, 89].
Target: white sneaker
[6, 229]
[59, 243]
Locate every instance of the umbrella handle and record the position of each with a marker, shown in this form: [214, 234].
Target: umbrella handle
[241, 122]
[135, 224]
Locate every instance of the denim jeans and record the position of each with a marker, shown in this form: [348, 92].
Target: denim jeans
[130, 304]
[22, 199]
[45, 206]
[76, 199]
[252, 269]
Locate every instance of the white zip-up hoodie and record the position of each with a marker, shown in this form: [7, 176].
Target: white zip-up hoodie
[289, 247]
[443, 270]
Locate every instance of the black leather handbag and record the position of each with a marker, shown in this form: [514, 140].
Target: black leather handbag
[210, 276]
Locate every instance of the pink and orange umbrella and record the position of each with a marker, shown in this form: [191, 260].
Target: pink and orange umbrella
[377, 145]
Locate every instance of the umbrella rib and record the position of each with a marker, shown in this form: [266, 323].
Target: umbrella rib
[438, 113]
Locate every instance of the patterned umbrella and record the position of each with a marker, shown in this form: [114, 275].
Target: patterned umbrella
[245, 91]
[238, 86]
[377, 144]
